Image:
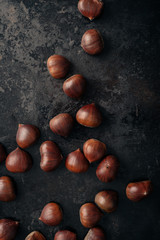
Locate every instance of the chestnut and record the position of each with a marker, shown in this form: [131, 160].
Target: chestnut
[92, 42]
[62, 124]
[74, 86]
[27, 135]
[2, 153]
[51, 156]
[18, 161]
[65, 235]
[107, 169]
[7, 191]
[90, 215]
[95, 233]
[51, 214]
[136, 191]
[90, 8]
[8, 229]
[107, 200]
[35, 236]
[89, 116]
[94, 150]
[58, 66]
[76, 162]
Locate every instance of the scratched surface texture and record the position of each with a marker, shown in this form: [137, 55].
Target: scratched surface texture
[123, 81]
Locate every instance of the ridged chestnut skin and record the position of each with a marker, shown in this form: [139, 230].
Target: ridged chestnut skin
[65, 235]
[8, 229]
[51, 156]
[92, 42]
[107, 200]
[74, 86]
[3, 154]
[90, 215]
[58, 66]
[89, 116]
[107, 169]
[95, 234]
[18, 161]
[90, 8]
[136, 191]
[7, 190]
[62, 124]
[27, 135]
[35, 236]
[51, 214]
[76, 162]
[94, 150]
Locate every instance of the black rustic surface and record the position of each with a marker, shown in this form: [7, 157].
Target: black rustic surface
[123, 81]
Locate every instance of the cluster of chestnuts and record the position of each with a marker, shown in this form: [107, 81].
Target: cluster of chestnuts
[19, 161]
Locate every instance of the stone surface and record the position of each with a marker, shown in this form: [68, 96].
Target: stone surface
[123, 81]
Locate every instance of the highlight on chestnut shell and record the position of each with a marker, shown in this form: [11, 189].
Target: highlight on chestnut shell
[89, 116]
[18, 161]
[8, 229]
[90, 8]
[51, 214]
[62, 124]
[3, 154]
[74, 86]
[107, 169]
[51, 156]
[90, 215]
[65, 235]
[35, 235]
[58, 66]
[76, 162]
[136, 191]
[92, 42]
[7, 189]
[95, 233]
[107, 200]
[94, 150]
[27, 135]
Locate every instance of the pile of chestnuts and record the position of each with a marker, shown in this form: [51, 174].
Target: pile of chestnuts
[78, 161]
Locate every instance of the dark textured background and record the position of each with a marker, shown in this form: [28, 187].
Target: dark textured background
[123, 81]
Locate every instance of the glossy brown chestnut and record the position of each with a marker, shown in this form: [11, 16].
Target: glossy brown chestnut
[95, 234]
[90, 8]
[136, 191]
[2, 153]
[35, 236]
[107, 169]
[51, 214]
[89, 116]
[74, 86]
[76, 162]
[90, 215]
[8, 229]
[58, 66]
[7, 190]
[18, 161]
[62, 124]
[65, 235]
[107, 200]
[94, 150]
[27, 135]
[92, 42]
[51, 156]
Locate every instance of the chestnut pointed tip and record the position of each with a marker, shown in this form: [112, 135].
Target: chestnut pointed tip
[20, 125]
[40, 218]
[17, 223]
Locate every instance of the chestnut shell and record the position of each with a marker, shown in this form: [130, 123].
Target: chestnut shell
[107, 200]
[136, 191]
[7, 190]
[92, 42]
[8, 229]
[27, 135]
[89, 116]
[65, 235]
[107, 169]
[95, 233]
[35, 235]
[90, 8]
